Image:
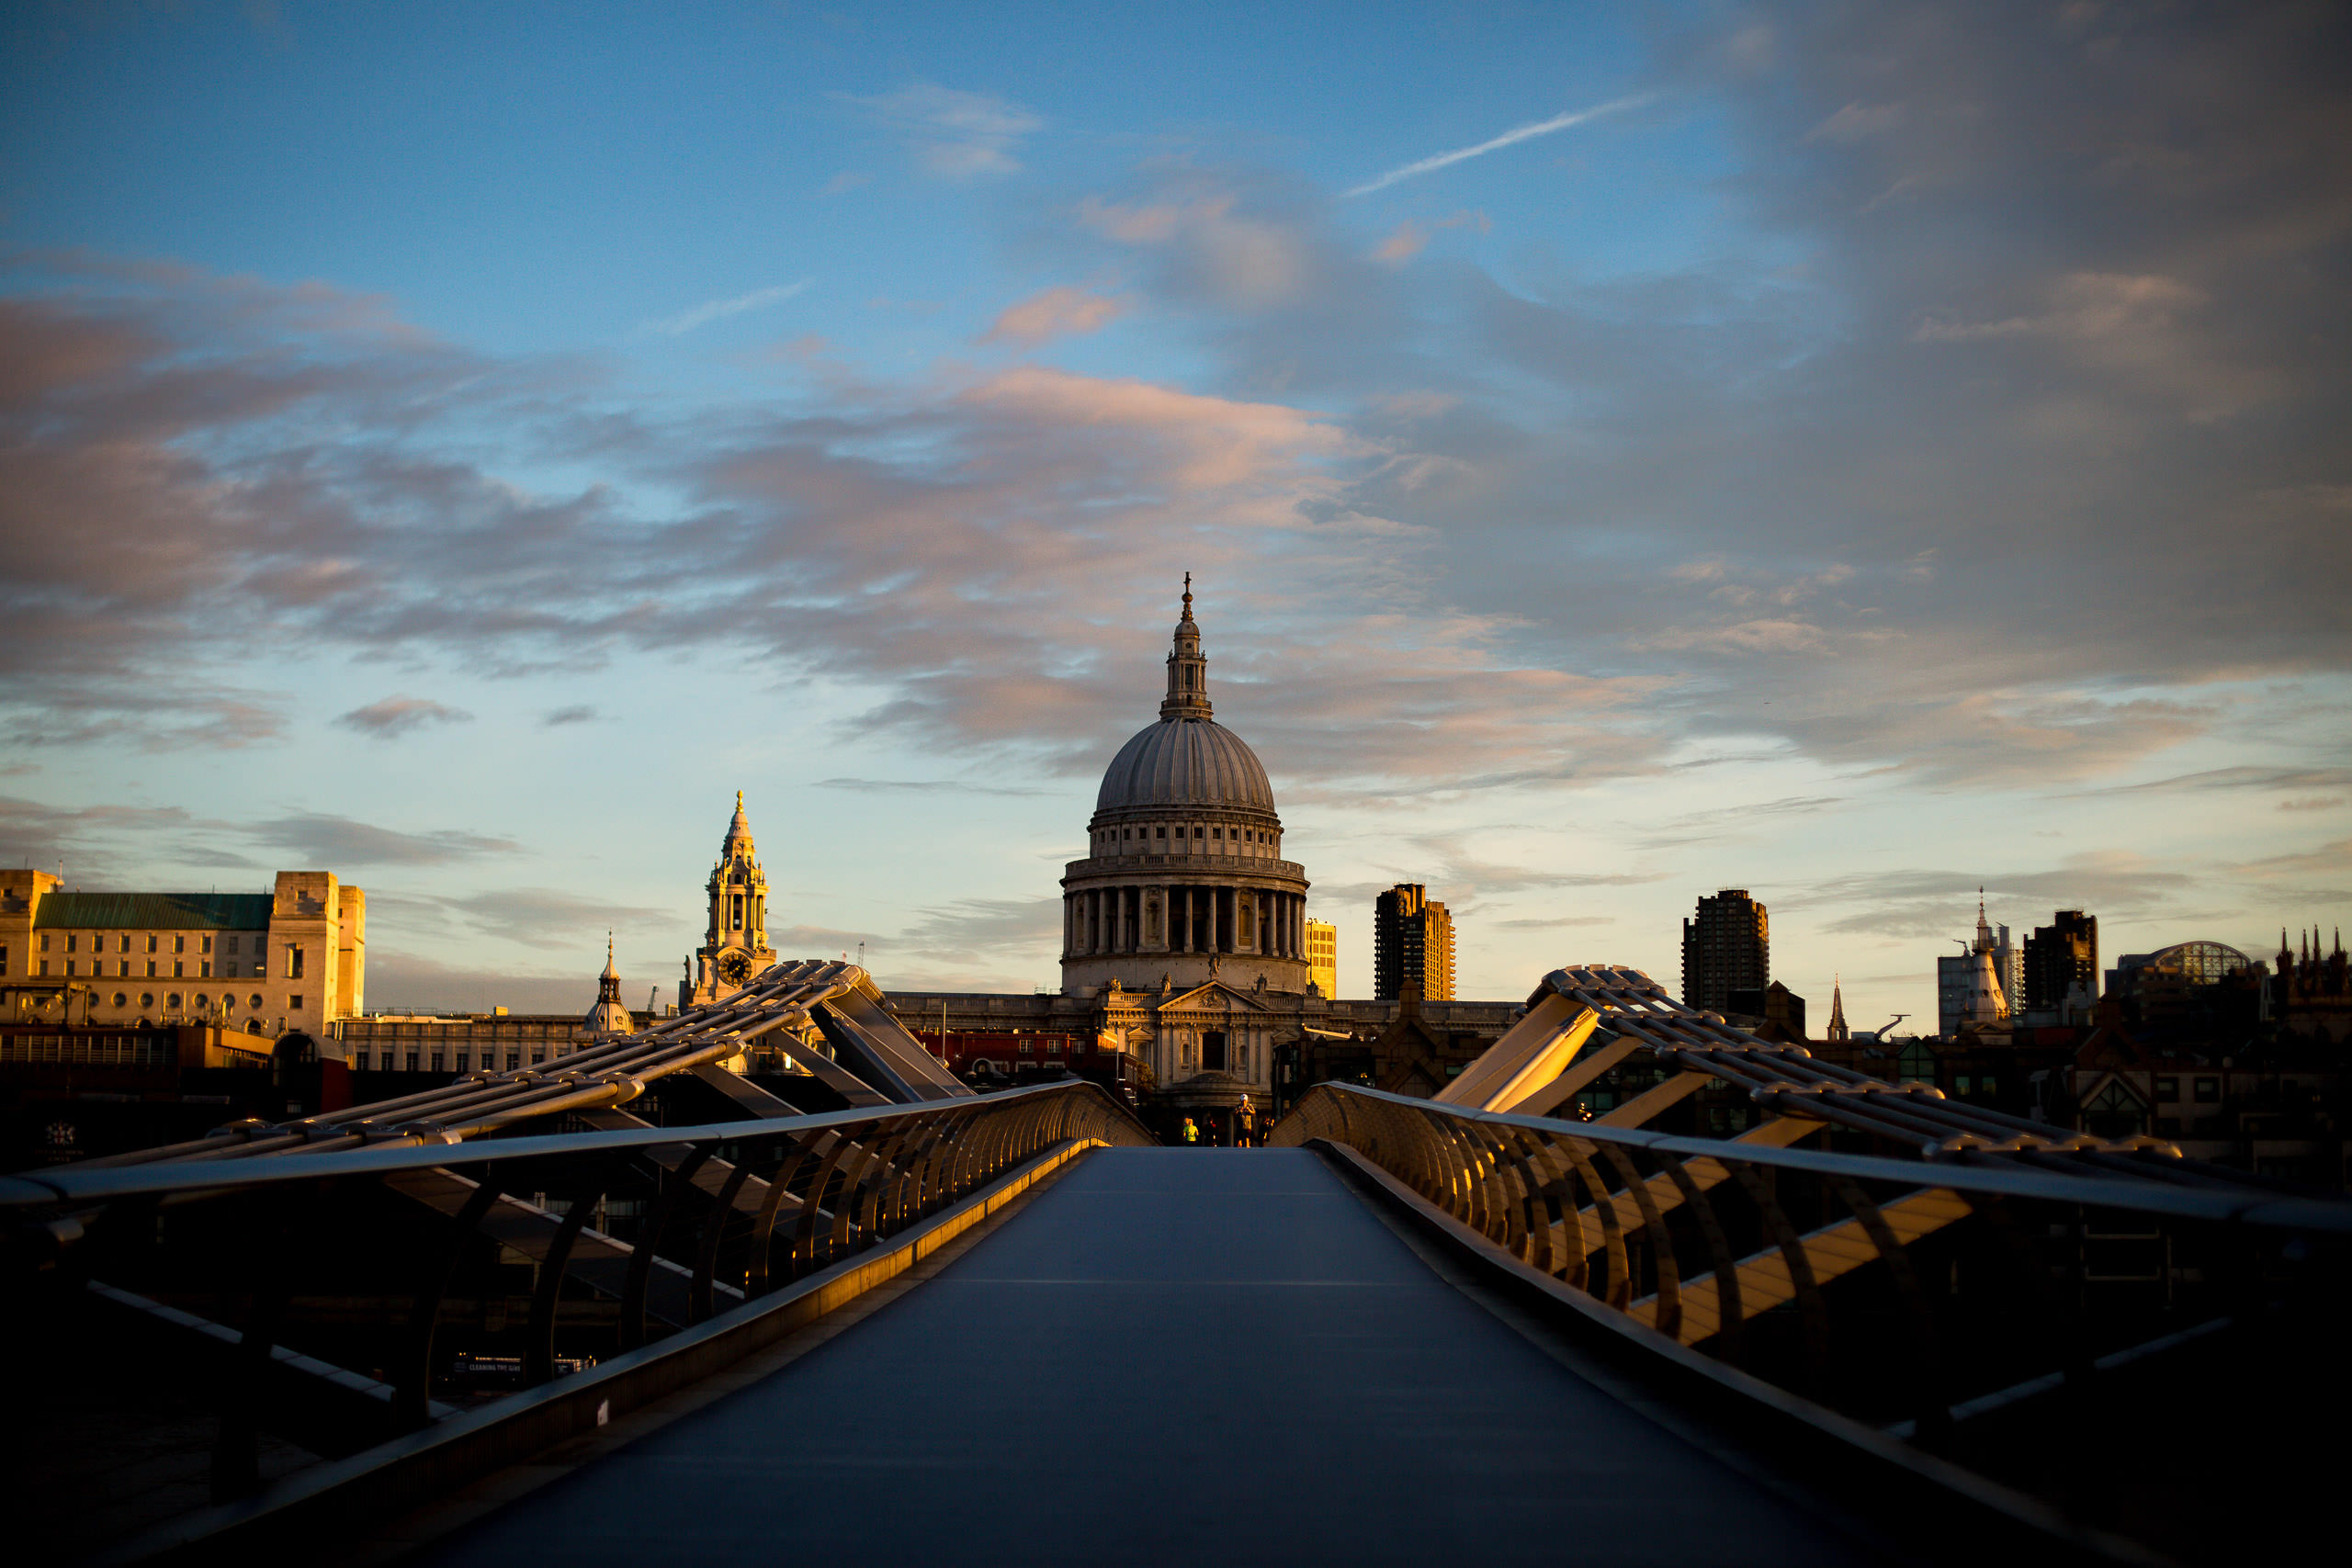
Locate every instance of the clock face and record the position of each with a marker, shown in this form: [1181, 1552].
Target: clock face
[734, 967]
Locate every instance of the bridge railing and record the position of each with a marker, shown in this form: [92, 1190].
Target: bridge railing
[340, 1301]
[1949, 1305]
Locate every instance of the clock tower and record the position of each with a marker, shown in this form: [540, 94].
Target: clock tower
[735, 946]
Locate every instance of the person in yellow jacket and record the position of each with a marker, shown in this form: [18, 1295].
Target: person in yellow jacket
[1191, 1134]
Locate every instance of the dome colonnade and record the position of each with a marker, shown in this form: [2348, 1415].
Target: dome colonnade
[1185, 869]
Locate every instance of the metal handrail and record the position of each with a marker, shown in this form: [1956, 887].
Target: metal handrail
[1938, 1305]
[693, 1226]
[75, 1185]
[2104, 1189]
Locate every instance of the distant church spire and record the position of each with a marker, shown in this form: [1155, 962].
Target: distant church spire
[1188, 667]
[1839, 1033]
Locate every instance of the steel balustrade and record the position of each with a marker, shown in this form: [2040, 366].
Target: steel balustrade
[1915, 1296]
[237, 1265]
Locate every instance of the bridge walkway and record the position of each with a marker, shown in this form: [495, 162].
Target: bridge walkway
[1168, 1356]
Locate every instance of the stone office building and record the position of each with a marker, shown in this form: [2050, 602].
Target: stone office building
[293, 958]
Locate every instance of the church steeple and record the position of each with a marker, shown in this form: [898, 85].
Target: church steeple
[1188, 668]
[1839, 1033]
[735, 946]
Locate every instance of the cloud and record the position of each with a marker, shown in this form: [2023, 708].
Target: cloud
[1558, 122]
[323, 840]
[1404, 242]
[1057, 313]
[1555, 921]
[2243, 776]
[719, 310]
[390, 718]
[971, 930]
[2122, 885]
[846, 181]
[926, 786]
[1458, 529]
[955, 135]
[550, 918]
[575, 713]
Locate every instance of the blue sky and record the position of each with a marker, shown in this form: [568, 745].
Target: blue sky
[1884, 450]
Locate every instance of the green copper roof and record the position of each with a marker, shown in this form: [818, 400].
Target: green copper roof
[156, 912]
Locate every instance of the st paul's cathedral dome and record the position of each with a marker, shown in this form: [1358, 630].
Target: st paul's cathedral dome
[1184, 880]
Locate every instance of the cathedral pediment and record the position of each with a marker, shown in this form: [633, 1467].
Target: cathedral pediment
[1215, 996]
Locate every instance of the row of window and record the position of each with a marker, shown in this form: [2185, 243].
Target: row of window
[1105, 836]
[431, 1061]
[230, 968]
[122, 939]
[201, 1002]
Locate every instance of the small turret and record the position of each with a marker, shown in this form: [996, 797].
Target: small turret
[608, 1016]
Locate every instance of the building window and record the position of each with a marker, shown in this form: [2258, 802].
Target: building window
[293, 963]
[3, 961]
[69, 968]
[232, 945]
[2208, 1091]
[146, 999]
[513, 1061]
[359, 1062]
[1196, 831]
[171, 999]
[44, 945]
[180, 969]
[465, 1061]
[119, 998]
[151, 944]
[294, 1003]
[204, 968]
[151, 969]
[122, 968]
[411, 1061]
[2167, 1089]
[253, 1001]
[71, 939]
[207, 942]
[179, 944]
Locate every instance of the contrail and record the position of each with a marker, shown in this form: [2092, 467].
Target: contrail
[717, 309]
[1540, 128]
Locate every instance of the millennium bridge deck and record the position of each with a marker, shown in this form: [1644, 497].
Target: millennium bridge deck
[1168, 1356]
